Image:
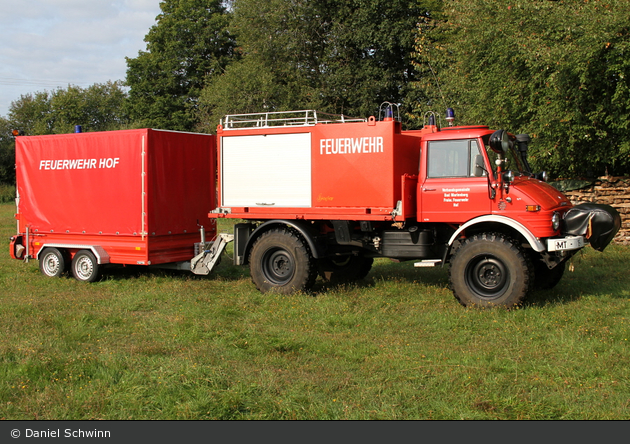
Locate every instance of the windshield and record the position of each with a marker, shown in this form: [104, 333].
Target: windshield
[512, 161]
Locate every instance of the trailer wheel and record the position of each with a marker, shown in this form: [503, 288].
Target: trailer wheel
[490, 269]
[281, 261]
[52, 262]
[344, 268]
[85, 267]
[545, 278]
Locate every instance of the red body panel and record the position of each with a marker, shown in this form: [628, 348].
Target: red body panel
[139, 194]
[529, 191]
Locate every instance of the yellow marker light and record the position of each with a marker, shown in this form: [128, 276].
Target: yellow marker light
[532, 208]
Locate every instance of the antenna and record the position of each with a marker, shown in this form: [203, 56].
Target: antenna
[437, 83]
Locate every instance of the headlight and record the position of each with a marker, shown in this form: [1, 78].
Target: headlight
[555, 221]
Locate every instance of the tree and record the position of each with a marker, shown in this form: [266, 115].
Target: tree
[188, 44]
[96, 108]
[331, 55]
[7, 153]
[557, 70]
[369, 60]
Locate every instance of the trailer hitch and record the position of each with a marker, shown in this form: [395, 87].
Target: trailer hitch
[205, 261]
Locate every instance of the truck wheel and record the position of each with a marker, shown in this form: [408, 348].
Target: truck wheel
[490, 269]
[344, 268]
[281, 261]
[545, 278]
[85, 266]
[52, 262]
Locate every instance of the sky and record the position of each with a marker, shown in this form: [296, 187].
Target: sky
[49, 44]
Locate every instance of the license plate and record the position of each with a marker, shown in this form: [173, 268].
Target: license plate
[565, 243]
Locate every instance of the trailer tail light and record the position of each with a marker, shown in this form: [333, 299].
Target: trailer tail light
[532, 208]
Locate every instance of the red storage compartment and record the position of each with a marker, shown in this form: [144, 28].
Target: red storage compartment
[333, 171]
[139, 194]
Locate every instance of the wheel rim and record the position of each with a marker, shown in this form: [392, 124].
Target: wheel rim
[51, 264]
[278, 266]
[84, 268]
[488, 277]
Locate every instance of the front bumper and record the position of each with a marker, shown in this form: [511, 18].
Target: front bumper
[565, 243]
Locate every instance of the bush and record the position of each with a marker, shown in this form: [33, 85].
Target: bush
[7, 193]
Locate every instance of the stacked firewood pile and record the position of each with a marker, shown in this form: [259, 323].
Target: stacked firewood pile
[613, 191]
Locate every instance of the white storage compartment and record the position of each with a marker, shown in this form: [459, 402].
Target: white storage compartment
[266, 171]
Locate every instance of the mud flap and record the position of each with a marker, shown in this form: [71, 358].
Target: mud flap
[599, 223]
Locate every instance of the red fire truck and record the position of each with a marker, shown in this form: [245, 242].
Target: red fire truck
[321, 195]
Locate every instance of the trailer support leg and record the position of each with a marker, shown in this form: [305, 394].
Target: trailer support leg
[205, 261]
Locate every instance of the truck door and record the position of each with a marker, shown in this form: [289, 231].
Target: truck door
[455, 189]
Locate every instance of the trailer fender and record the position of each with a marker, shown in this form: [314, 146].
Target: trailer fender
[102, 256]
[533, 241]
[303, 228]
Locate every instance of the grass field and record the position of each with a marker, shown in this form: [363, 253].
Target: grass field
[145, 344]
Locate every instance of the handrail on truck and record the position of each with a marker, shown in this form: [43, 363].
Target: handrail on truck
[284, 118]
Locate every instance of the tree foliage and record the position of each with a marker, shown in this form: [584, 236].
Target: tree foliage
[559, 70]
[188, 44]
[7, 153]
[331, 55]
[96, 108]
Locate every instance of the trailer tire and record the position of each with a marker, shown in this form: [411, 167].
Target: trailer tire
[85, 267]
[490, 269]
[281, 261]
[52, 262]
[345, 268]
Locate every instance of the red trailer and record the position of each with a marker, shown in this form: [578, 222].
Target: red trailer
[121, 197]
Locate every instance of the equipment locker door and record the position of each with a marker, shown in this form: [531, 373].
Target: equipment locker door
[266, 170]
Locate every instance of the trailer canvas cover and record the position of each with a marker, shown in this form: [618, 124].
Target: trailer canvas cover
[140, 183]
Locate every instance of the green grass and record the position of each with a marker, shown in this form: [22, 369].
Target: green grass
[143, 344]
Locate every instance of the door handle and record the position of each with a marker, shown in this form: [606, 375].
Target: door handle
[428, 189]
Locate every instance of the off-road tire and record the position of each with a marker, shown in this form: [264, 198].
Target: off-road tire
[545, 278]
[281, 261]
[490, 269]
[343, 269]
[52, 262]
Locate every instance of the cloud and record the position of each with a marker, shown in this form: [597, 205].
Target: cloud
[52, 43]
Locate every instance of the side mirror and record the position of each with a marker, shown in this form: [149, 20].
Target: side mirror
[479, 168]
[500, 142]
[542, 176]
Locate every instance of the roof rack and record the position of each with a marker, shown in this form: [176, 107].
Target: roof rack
[284, 118]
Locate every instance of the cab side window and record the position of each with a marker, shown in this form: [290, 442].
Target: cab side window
[454, 158]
